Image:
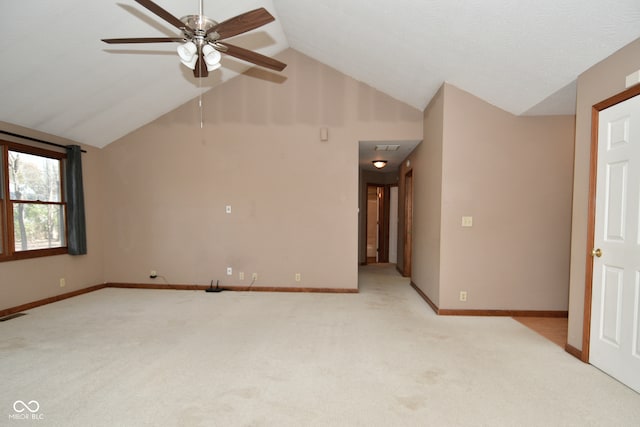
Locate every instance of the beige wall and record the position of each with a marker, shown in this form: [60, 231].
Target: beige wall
[596, 84]
[426, 164]
[513, 176]
[30, 280]
[294, 198]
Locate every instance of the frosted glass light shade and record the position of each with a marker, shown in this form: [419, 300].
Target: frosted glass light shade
[187, 54]
[211, 57]
[379, 163]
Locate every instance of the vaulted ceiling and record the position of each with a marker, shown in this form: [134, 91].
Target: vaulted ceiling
[56, 76]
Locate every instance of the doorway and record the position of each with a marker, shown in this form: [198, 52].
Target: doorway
[379, 225]
[611, 336]
[373, 221]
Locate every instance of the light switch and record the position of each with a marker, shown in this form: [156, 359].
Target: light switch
[467, 221]
[228, 209]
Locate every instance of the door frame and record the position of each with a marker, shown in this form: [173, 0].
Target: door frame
[391, 226]
[408, 223]
[591, 219]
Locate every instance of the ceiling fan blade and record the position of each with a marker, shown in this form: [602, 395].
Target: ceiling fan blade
[145, 40]
[253, 57]
[242, 23]
[162, 13]
[201, 67]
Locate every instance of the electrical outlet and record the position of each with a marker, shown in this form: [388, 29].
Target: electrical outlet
[63, 282]
[254, 276]
[153, 274]
[467, 221]
[241, 275]
[229, 271]
[298, 277]
[463, 296]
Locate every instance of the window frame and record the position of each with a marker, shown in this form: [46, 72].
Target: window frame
[7, 249]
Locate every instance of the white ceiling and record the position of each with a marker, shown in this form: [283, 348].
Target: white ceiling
[523, 56]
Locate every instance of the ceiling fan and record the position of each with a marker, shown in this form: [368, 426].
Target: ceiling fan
[201, 38]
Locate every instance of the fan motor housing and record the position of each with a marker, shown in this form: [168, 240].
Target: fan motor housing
[200, 24]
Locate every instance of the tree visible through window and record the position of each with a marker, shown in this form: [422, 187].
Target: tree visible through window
[34, 205]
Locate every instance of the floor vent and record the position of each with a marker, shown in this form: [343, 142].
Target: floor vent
[11, 316]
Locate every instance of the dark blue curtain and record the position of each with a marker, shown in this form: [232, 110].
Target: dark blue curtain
[76, 232]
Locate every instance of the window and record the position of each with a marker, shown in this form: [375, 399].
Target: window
[33, 213]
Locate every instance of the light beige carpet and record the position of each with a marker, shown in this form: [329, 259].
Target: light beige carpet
[120, 357]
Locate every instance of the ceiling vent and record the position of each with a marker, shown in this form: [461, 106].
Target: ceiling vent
[387, 147]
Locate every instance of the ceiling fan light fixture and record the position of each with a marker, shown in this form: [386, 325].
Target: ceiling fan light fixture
[187, 54]
[199, 31]
[379, 164]
[211, 57]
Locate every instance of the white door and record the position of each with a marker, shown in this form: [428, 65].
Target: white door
[615, 316]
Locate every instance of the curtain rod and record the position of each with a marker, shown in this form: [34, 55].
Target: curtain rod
[37, 140]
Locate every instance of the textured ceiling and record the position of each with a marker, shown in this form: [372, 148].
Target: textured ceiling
[523, 56]
[513, 54]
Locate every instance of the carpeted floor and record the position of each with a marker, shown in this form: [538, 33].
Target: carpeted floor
[120, 357]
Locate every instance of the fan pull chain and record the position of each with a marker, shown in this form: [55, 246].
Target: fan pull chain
[201, 115]
[200, 105]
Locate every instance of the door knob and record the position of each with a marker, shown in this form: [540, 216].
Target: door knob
[596, 252]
